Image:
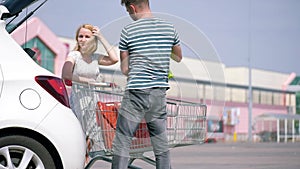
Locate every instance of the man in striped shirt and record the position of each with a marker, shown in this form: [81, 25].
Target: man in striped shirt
[146, 46]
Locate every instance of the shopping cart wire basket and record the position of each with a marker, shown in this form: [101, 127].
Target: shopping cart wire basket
[186, 123]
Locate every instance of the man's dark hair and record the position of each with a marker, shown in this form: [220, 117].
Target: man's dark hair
[135, 2]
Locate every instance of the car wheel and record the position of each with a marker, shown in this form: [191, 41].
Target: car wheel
[18, 151]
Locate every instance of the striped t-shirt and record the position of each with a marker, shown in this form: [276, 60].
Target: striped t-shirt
[149, 42]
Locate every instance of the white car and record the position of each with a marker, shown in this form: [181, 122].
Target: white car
[38, 130]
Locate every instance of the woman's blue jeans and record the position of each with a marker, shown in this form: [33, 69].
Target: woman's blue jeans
[139, 104]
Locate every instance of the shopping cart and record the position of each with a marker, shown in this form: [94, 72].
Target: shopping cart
[186, 123]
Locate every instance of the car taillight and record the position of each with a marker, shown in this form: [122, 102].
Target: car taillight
[55, 87]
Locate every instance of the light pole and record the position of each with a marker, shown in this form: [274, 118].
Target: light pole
[250, 77]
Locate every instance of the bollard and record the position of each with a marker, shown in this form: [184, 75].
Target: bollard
[234, 137]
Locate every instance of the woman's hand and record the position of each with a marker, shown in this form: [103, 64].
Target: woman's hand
[97, 33]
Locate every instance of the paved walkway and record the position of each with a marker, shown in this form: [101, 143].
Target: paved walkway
[230, 156]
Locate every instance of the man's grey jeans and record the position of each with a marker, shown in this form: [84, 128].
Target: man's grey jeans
[139, 104]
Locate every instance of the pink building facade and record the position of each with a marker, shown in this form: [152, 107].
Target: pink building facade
[35, 30]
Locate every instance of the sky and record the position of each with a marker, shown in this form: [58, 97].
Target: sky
[261, 34]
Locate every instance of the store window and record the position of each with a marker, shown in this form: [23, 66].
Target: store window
[43, 56]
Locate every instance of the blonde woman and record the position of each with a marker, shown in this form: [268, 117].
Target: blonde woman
[82, 66]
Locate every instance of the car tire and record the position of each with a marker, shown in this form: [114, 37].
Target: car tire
[17, 151]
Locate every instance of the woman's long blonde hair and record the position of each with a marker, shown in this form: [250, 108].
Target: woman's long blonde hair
[93, 43]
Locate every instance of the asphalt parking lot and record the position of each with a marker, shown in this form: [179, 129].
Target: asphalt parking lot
[229, 156]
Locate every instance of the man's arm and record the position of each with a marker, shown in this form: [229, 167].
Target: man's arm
[176, 53]
[124, 58]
